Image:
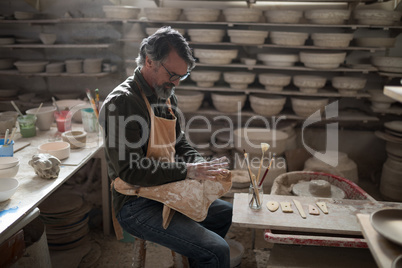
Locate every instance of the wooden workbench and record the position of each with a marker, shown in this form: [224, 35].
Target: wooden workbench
[341, 218]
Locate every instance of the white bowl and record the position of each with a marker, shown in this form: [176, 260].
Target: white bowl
[8, 187]
[206, 35]
[9, 172]
[377, 16]
[248, 37]
[189, 101]
[74, 106]
[74, 66]
[288, 38]
[228, 102]
[55, 67]
[348, 85]
[152, 30]
[47, 38]
[306, 106]
[309, 83]
[31, 66]
[6, 63]
[322, 60]
[282, 60]
[8, 162]
[205, 78]
[239, 14]
[250, 139]
[238, 80]
[121, 12]
[59, 149]
[215, 56]
[92, 66]
[162, 13]
[267, 105]
[23, 15]
[375, 42]
[327, 16]
[45, 116]
[283, 16]
[202, 14]
[76, 138]
[331, 39]
[274, 82]
[388, 63]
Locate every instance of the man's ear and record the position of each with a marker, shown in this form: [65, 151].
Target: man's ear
[148, 62]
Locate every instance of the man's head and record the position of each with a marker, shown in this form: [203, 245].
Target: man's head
[165, 59]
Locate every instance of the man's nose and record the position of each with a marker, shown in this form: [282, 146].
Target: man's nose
[176, 82]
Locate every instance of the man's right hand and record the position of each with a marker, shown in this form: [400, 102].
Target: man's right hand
[208, 170]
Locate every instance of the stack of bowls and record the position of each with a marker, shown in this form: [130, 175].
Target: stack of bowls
[348, 85]
[215, 56]
[74, 66]
[202, 14]
[189, 101]
[162, 13]
[327, 16]
[228, 102]
[239, 14]
[309, 83]
[9, 166]
[288, 38]
[306, 106]
[92, 66]
[247, 37]
[206, 35]
[205, 78]
[8, 187]
[332, 39]
[274, 82]
[267, 105]
[238, 80]
[283, 16]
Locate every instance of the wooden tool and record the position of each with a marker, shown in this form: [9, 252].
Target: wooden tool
[272, 206]
[286, 207]
[312, 210]
[264, 148]
[323, 207]
[300, 208]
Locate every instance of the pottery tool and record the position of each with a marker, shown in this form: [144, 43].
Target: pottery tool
[264, 148]
[92, 101]
[97, 99]
[312, 210]
[6, 137]
[252, 179]
[323, 207]
[272, 206]
[286, 207]
[300, 208]
[40, 106]
[12, 135]
[55, 104]
[16, 108]
[266, 172]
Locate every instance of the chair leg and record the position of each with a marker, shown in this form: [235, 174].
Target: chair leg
[139, 253]
[179, 261]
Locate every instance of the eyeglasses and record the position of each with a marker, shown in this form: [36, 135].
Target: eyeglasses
[174, 77]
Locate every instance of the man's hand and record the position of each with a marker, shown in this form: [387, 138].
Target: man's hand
[208, 170]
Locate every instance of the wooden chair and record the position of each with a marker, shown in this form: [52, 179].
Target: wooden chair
[179, 261]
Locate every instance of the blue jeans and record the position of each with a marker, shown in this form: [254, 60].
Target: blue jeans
[202, 242]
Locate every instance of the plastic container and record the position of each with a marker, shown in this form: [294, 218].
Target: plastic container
[6, 150]
[89, 120]
[63, 120]
[27, 125]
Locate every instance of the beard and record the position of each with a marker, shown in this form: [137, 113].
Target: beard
[164, 91]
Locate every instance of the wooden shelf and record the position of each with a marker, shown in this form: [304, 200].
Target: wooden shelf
[17, 73]
[285, 92]
[102, 46]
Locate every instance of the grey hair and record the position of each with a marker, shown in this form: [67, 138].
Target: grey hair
[158, 46]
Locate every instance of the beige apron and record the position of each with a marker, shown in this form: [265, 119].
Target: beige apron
[190, 197]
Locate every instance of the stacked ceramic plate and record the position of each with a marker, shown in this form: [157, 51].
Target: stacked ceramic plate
[394, 128]
[9, 166]
[66, 217]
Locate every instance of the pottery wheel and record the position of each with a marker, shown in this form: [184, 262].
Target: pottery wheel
[302, 188]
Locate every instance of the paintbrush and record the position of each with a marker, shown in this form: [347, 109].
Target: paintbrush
[264, 148]
[266, 172]
[16, 108]
[11, 136]
[92, 102]
[252, 179]
[6, 137]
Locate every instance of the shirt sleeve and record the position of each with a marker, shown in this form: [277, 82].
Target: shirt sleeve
[125, 123]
